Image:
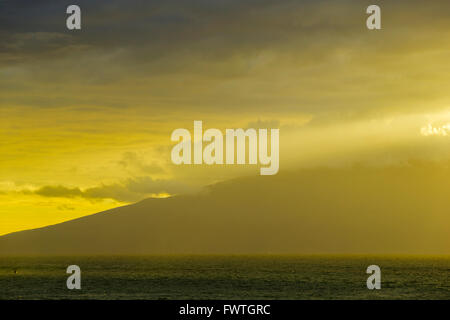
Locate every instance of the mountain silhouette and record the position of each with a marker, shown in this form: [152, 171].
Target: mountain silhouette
[356, 210]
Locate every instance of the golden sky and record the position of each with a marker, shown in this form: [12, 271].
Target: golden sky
[86, 116]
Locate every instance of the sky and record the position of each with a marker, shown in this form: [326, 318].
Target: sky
[86, 116]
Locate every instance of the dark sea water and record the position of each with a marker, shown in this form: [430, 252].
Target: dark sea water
[225, 277]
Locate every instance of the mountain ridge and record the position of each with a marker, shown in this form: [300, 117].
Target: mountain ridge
[309, 211]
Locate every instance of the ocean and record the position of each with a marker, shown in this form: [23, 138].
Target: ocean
[225, 277]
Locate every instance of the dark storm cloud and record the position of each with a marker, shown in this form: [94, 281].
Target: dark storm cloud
[211, 28]
[315, 57]
[160, 28]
